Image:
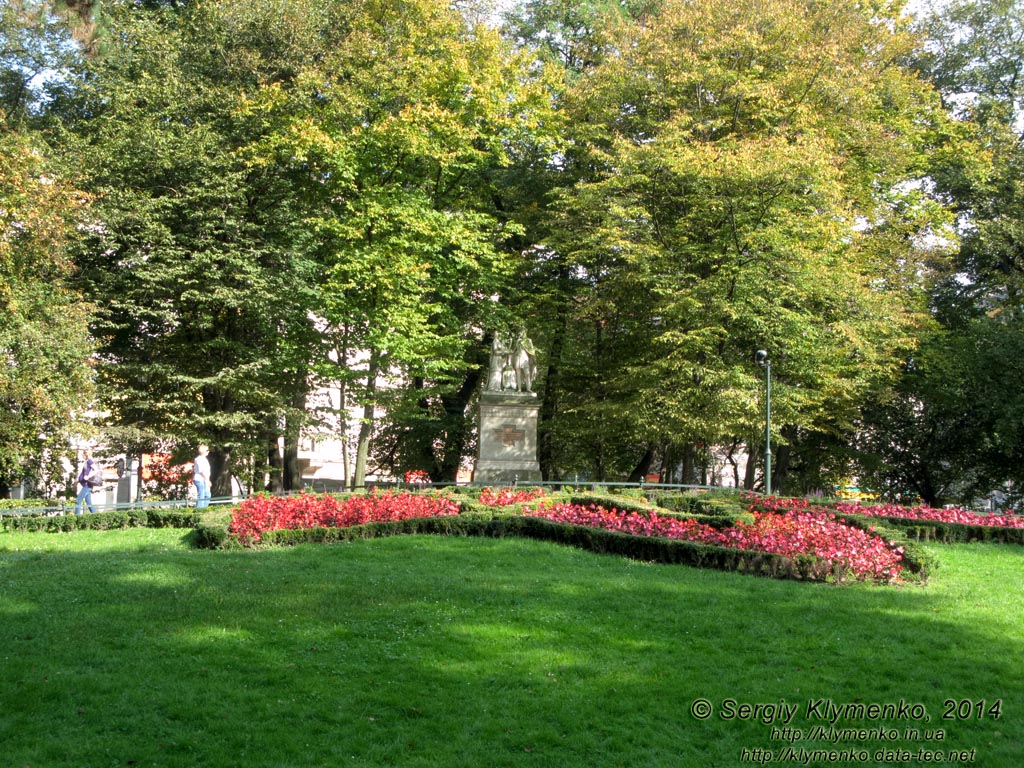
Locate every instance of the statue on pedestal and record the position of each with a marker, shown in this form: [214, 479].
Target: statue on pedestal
[513, 363]
[507, 446]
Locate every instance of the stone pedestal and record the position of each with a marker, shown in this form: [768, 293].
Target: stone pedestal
[508, 438]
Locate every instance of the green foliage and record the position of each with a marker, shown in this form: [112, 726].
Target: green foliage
[45, 381]
[945, 533]
[198, 266]
[951, 431]
[99, 521]
[699, 503]
[723, 160]
[302, 193]
[10, 505]
[206, 536]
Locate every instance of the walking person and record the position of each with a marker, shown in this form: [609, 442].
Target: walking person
[201, 477]
[88, 475]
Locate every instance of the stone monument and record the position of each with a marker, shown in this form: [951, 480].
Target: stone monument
[508, 414]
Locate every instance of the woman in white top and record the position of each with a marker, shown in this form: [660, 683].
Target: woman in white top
[201, 477]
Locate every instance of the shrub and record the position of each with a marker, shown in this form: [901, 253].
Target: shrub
[100, 521]
[211, 537]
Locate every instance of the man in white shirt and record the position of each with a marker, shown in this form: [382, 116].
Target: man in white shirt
[201, 477]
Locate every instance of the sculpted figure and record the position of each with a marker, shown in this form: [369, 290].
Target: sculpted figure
[524, 362]
[513, 365]
[500, 354]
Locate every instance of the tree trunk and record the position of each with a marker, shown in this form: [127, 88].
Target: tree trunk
[750, 474]
[730, 457]
[274, 463]
[782, 458]
[457, 422]
[549, 403]
[292, 473]
[220, 469]
[366, 424]
[690, 469]
[643, 466]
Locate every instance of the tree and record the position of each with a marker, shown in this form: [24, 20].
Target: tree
[203, 283]
[406, 121]
[45, 381]
[951, 433]
[751, 190]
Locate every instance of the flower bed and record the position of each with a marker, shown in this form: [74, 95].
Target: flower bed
[788, 528]
[506, 497]
[790, 534]
[259, 514]
[953, 515]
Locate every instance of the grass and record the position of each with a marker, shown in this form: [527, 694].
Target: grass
[127, 648]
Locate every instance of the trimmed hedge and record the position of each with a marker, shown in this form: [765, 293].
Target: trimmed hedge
[643, 548]
[101, 521]
[717, 511]
[621, 503]
[700, 504]
[941, 532]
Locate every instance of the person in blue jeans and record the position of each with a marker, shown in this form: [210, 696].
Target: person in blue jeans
[86, 476]
[201, 477]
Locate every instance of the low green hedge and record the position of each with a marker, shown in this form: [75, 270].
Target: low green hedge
[101, 521]
[943, 533]
[643, 548]
[710, 504]
[615, 501]
[716, 511]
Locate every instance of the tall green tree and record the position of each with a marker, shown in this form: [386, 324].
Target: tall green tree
[202, 280]
[408, 119]
[46, 379]
[753, 189]
[952, 432]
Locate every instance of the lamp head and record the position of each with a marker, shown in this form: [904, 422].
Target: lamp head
[761, 357]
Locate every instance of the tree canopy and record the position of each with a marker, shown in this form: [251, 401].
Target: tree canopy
[246, 202]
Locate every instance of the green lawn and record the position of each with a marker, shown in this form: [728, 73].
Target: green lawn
[127, 648]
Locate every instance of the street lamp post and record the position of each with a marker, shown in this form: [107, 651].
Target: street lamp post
[762, 359]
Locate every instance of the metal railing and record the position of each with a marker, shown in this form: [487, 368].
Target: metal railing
[68, 507]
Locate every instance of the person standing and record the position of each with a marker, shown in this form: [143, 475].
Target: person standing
[87, 475]
[201, 477]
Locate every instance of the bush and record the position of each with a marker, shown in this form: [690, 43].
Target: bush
[212, 537]
[707, 503]
[100, 521]
[942, 533]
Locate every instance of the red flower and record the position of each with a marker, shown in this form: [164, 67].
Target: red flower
[259, 514]
[789, 534]
[506, 497]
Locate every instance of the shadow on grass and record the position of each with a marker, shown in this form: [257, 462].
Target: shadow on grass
[471, 652]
